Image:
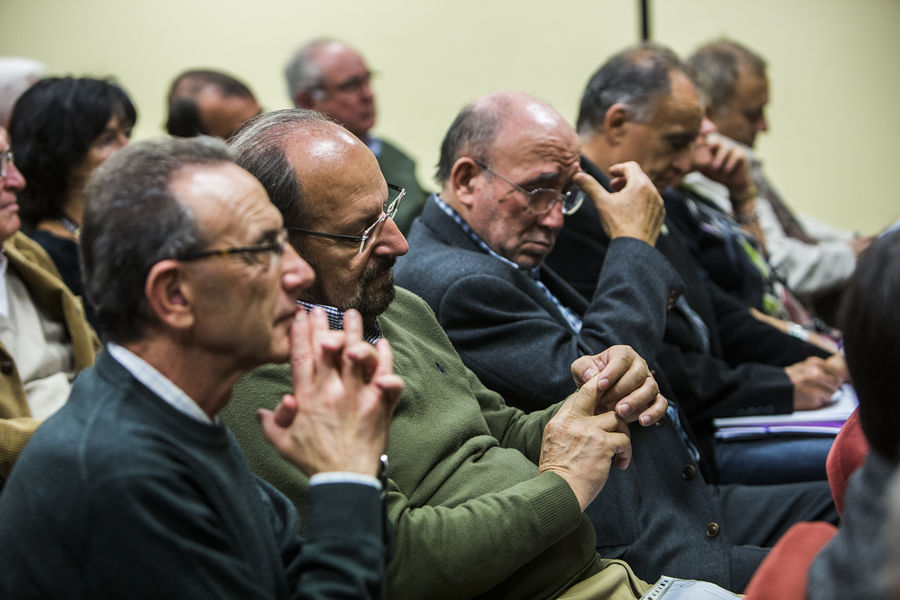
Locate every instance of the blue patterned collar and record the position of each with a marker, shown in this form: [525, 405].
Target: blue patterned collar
[371, 334]
[476, 239]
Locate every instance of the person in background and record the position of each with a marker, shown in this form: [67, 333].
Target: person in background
[62, 129]
[330, 77]
[814, 259]
[44, 336]
[17, 74]
[205, 102]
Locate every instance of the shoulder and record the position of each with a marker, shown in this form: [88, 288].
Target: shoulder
[391, 153]
[22, 249]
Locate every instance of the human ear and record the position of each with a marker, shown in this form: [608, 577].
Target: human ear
[615, 123]
[169, 294]
[461, 181]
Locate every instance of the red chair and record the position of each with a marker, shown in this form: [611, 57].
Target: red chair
[782, 575]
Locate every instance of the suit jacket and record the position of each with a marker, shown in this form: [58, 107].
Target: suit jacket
[742, 371]
[656, 513]
[490, 310]
[32, 264]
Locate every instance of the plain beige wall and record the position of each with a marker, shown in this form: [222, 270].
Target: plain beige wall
[833, 148]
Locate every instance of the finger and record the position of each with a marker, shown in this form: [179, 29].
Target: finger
[732, 161]
[583, 402]
[274, 433]
[655, 412]
[363, 357]
[638, 400]
[286, 411]
[618, 438]
[615, 361]
[302, 355]
[353, 326]
[590, 186]
[586, 367]
[391, 387]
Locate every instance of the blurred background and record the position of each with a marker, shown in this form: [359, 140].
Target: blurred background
[833, 147]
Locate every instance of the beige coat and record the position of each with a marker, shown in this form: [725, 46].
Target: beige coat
[36, 269]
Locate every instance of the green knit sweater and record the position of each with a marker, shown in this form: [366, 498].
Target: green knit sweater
[472, 516]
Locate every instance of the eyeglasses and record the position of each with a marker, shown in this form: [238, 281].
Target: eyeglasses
[6, 159]
[353, 85]
[541, 200]
[391, 204]
[250, 254]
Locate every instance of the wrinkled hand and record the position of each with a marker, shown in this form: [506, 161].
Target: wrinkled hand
[625, 384]
[816, 380]
[728, 165]
[634, 209]
[339, 416]
[579, 446]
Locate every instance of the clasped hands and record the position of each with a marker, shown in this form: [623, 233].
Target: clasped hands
[344, 391]
[590, 429]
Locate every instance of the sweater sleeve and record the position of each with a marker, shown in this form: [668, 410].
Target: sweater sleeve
[505, 331]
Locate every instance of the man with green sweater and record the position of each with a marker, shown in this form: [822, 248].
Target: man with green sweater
[486, 501]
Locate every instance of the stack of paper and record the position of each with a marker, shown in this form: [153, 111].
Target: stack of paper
[823, 421]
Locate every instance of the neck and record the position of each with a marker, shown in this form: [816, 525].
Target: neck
[73, 207]
[207, 379]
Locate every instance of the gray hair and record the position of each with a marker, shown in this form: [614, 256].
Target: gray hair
[16, 75]
[132, 221]
[259, 148]
[302, 72]
[719, 62]
[635, 77]
[471, 134]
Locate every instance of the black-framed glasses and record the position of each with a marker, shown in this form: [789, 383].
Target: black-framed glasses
[250, 254]
[541, 200]
[391, 204]
[6, 159]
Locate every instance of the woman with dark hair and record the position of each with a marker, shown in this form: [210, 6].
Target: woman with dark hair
[62, 128]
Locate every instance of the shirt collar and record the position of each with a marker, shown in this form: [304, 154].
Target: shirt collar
[374, 145]
[158, 383]
[371, 333]
[476, 239]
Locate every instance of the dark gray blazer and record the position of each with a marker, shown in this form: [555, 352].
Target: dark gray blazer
[660, 515]
[502, 323]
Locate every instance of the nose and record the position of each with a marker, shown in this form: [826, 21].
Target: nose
[14, 178]
[762, 124]
[296, 274]
[391, 241]
[121, 140]
[552, 219]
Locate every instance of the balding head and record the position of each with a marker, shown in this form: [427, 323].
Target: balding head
[499, 149]
[331, 77]
[332, 195]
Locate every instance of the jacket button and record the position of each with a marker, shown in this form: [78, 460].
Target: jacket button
[712, 530]
[688, 472]
[6, 366]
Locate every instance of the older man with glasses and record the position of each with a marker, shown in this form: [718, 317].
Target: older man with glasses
[485, 500]
[509, 169]
[333, 78]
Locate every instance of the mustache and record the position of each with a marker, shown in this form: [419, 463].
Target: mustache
[378, 268]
